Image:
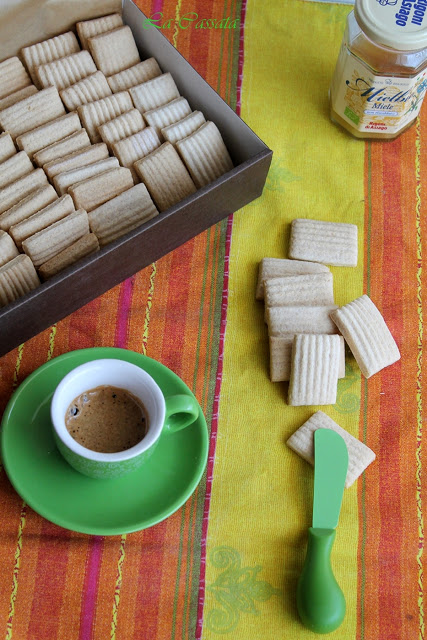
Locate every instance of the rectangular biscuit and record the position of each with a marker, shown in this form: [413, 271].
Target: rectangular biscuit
[52, 49]
[131, 149]
[96, 113]
[314, 370]
[333, 243]
[165, 176]
[83, 247]
[46, 244]
[81, 158]
[17, 277]
[25, 208]
[167, 114]
[121, 127]
[90, 89]
[302, 442]
[42, 219]
[141, 72]
[13, 98]
[32, 112]
[7, 148]
[93, 192]
[13, 77]
[184, 127]
[8, 249]
[65, 146]
[89, 28]
[154, 92]
[205, 154]
[366, 333]
[66, 71]
[48, 133]
[278, 267]
[284, 320]
[313, 289]
[115, 50]
[18, 166]
[281, 357]
[63, 181]
[122, 214]
[21, 188]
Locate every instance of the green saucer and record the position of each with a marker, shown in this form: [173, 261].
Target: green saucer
[101, 507]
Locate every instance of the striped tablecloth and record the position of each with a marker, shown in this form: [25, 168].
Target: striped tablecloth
[227, 563]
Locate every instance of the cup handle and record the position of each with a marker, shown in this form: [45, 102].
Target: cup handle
[181, 411]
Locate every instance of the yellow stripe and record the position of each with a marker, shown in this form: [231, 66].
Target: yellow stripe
[52, 337]
[148, 308]
[18, 551]
[119, 579]
[419, 385]
[18, 365]
[177, 17]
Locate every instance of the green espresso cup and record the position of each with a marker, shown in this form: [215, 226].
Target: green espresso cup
[164, 415]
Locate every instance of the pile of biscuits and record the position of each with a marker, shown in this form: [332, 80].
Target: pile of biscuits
[306, 328]
[94, 142]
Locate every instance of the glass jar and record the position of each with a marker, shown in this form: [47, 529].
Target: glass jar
[381, 74]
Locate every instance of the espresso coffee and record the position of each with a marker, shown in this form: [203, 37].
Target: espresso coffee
[106, 419]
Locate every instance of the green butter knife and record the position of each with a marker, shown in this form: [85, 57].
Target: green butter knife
[320, 601]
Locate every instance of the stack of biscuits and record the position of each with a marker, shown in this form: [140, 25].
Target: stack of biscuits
[94, 142]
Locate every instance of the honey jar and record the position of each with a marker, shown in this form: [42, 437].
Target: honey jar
[380, 77]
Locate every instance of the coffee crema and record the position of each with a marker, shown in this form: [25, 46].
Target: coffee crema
[107, 419]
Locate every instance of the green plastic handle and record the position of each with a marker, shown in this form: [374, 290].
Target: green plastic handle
[320, 601]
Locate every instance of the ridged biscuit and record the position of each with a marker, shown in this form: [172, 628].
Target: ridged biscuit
[35, 201]
[285, 320]
[278, 267]
[89, 28]
[184, 127]
[43, 52]
[8, 249]
[205, 154]
[302, 442]
[167, 114]
[122, 214]
[131, 149]
[32, 112]
[154, 93]
[313, 289]
[115, 50]
[121, 127]
[314, 370]
[96, 113]
[366, 333]
[13, 98]
[83, 247]
[281, 357]
[46, 244]
[66, 71]
[48, 133]
[81, 158]
[90, 89]
[21, 188]
[75, 142]
[63, 181]
[17, 166]
[165, 176]
[13, 76]
[17, 277]
[141, 72]
[93, 192]
[7, 148]
[42, 219]
[333, 243]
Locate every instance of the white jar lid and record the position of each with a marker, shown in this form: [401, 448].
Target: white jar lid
[398, 24]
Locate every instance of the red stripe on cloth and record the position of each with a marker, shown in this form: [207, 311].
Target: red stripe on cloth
[125, 300]
[241, 57]
[90, 588]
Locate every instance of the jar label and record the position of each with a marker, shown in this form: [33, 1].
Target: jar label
[373, 103]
